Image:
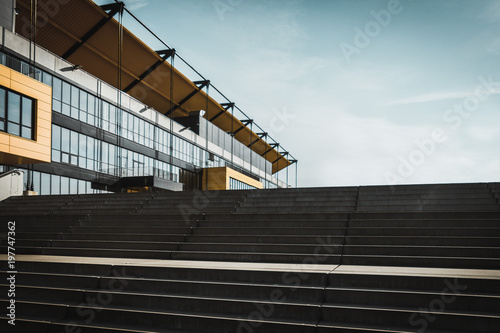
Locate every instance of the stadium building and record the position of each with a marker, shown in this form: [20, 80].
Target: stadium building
[86, 107]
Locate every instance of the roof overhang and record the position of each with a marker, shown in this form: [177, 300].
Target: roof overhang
[86, 34]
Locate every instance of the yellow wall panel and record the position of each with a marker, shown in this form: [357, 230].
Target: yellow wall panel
[27, 81]
[4, 81]
[43, 123]
[243, 178]
[4, 138]
[218, 179]
[25, 90]
[44, 132]
[16, 150]
[44, 141]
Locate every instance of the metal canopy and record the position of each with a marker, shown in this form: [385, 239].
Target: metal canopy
[165, 54]
[113, 8]
[87, 35]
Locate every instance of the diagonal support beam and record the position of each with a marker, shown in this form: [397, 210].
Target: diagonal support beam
[113, 8]
[199, 85]
[245, 123]
[282, 155]
[226, 107]
[165, 54]
[260, 135]
[273, 145]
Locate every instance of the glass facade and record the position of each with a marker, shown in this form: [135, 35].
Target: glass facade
[44, 183]
[235, 184]
[159, 150]
[16, 114]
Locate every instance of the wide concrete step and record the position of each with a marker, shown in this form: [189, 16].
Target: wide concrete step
[424, 241]
[152, 320]
[427, 207]
[418, 223]
[224, 290]
[426, 195]
[242, 256]
[267, 239]
[302, 198]
[410, 319]
[221, 273]
[421, 261]
[436, 231]
[320, 231]
[277, 216]
[419, 250]
[110, 229]
[454, 300]
[294, 209]
[313, 204]
[137, 221]
[124, 299]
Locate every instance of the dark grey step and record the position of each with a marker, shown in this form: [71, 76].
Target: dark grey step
[422, 261]
[436, 231]
[431, 251]
[423, 241]
[152, 320]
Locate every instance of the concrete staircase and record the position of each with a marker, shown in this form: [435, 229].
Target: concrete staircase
[353, 259]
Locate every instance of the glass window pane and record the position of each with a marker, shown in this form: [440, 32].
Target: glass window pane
[13, 128]
[73, 186]
[66, 109]
[65, 139]
[55, 187]
[47, 78]
[57, 88]
[56, 137]
[36, 181]
[83, 100]
[83, 145]
[45, 183]
[75, 96]
[90, 148]
[66, 92]
[27, 117]
[14, 107]
[91, 104]
[81, 187]
[26, 132]
[56, 106]
[64, 185]
[56, 155]
[74, 143]
[2, 103]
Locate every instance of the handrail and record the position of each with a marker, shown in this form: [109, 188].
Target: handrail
[18, 171]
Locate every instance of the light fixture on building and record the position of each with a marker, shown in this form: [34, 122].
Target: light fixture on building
[76, 67]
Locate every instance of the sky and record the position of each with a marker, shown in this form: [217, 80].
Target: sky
[361, 92]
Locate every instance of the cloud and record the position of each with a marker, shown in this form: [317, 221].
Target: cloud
[491, 12]
[433, 97]
[134, 5]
